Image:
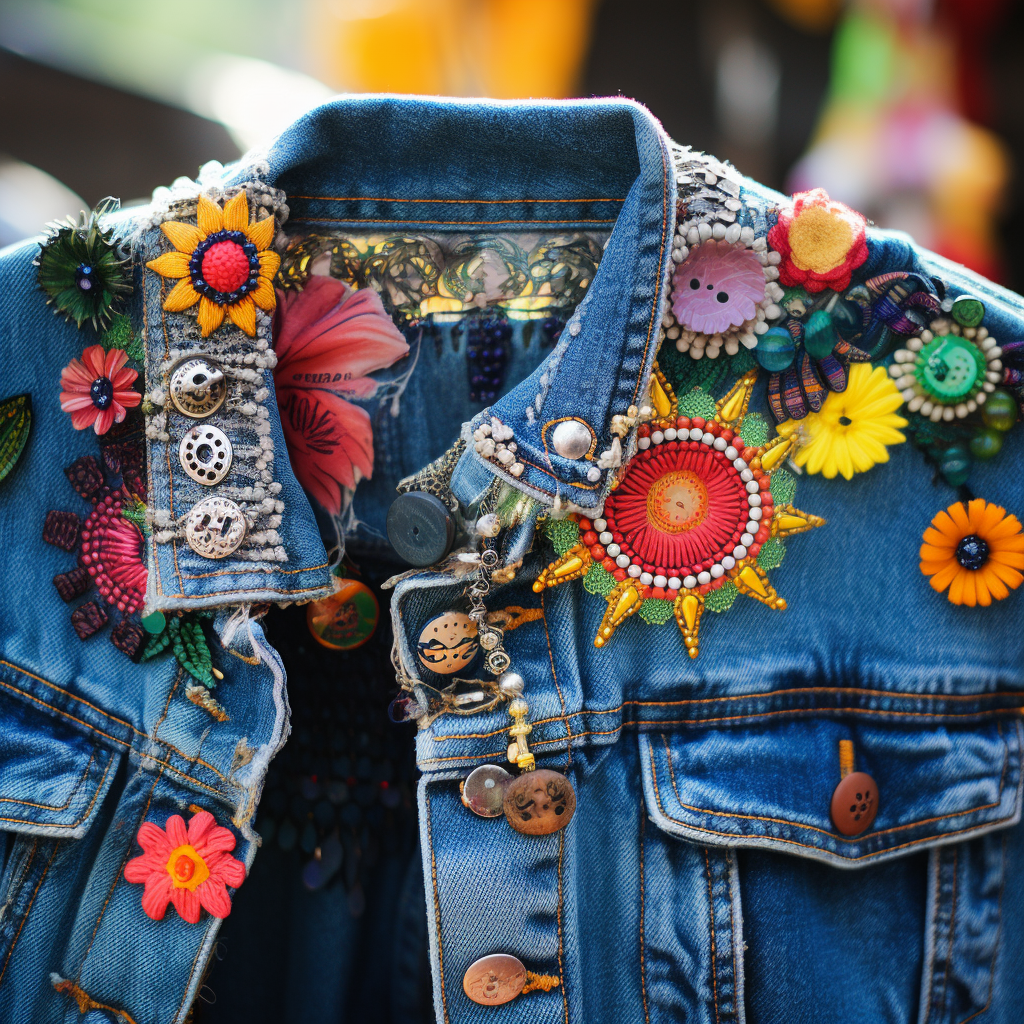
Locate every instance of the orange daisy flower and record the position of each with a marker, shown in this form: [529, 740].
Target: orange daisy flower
[222, 262]
[976, 551]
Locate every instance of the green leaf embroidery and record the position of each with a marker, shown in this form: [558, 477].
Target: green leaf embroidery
[193, 654]
[121, 336]
[15, 425]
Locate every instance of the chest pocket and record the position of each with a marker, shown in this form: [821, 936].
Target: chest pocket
[917, 817]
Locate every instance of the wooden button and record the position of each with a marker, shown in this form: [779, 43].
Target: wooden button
[346, 619]
[495, 979]
[448, 643]
[855, 804]
[539, 802]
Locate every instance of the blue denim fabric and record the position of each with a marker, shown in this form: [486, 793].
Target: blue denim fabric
[701, 878]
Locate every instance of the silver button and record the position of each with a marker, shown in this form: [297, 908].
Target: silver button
[205, 454]
[198, 388]
[572, 439]
[215, 528]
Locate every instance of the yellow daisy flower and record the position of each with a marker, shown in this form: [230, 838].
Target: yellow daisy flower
[977, 551]
[852, 429]
[223, 263]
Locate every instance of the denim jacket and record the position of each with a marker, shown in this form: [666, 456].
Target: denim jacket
[708, 872]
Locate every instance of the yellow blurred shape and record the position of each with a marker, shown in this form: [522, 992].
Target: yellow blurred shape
[507, 49]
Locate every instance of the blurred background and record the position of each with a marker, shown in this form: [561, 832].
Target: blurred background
[910, 110]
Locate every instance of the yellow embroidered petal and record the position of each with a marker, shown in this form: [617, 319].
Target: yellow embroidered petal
[236, 213]
[211, 316]
[181, 297]
[184, 237]
[269, 263]
[264, 295]
[170, 264]
[261, 234]
[243, 315]
[209, 216]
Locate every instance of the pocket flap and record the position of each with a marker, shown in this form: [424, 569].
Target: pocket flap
[52, 776]
[771, 786]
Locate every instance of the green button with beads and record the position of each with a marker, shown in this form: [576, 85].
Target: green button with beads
[950, 368]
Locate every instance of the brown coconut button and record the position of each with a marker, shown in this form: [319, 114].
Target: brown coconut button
[448, 643]
[539, 802]
[495, 979]
[855, 804]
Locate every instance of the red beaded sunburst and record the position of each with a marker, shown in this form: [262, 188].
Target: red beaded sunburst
[688, 513]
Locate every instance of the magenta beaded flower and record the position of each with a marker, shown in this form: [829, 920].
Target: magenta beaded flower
[113, 553]
[98, 389]
[717, 286]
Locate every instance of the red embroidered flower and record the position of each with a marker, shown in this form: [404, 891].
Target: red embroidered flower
[189, 867]
[821, 242]
[97, 391]
[328, 338]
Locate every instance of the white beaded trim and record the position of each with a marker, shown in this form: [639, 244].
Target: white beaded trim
[906, 360]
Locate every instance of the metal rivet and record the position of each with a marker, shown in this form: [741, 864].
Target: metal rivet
[572, 439]
[495, 979]
[205, 454]
[198, 388]
[215, 527]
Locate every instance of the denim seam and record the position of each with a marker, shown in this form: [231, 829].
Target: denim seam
[825, 832]
[54, 807]
[211, 921]
[711, 930]
[437, 910]
[67, 693]
[28, 910]
[14, 892]
[241, 572]
[563, 221]
[117, 876]
[932, 926]
[400, 199]
[561, 952]
[554, 677]
[951, 939]
[808, 846]
[643, 913]
[999, 937]
[762, 696]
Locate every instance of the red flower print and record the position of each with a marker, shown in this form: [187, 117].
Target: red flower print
[821, 242]
[97, 391]
[328, 337]
[189, 867]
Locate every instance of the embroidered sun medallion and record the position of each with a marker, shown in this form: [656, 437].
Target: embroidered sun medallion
[688, 517]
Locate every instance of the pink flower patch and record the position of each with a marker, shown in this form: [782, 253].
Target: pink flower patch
[716, 287]
[189, 867]
[97, 390]
[328, 339]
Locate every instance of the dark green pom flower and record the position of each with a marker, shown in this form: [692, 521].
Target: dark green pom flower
[82, 269]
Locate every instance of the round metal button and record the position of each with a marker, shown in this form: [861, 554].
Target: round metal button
[539, 802]
[205, 454]
[447, 643]
[855, 804]
[198, 387]
[483, 792]
[215, 527]
[495, 979]
[420, 528]
[572, 439]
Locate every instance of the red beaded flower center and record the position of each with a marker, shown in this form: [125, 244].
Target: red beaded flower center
[225, 266]
[184, 868]
[679, 506]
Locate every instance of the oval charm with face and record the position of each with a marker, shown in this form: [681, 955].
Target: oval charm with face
[539, 802]
[448, 643]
